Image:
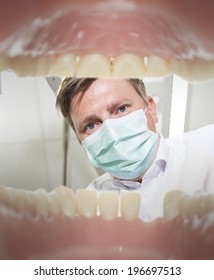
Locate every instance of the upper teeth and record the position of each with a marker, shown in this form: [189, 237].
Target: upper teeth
[97, 65]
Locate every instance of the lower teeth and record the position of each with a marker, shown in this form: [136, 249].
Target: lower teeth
[178, 203]
[110, 205]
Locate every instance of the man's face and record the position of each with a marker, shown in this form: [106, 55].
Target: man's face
[107, 99]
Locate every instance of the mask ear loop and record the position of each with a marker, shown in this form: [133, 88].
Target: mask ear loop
[146, 110]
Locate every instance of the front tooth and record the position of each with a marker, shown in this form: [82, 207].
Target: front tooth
[42, 65]
[128, 66]
[67, 200]
[86, 202]
[195, 70]
[157, 67]
[64, 66]
[108, 205]
[130, 205]
[94, 65]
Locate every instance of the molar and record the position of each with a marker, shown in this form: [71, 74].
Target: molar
[37, 203]
[43, 64]
[25, 66]
[157, 67]
[200, 203]
[178, 203]
[174, 204]
[3, 63]
[17, 200]
[67, 200]
[22, 65]
[40, 203]
[55, 206]
[193, 70]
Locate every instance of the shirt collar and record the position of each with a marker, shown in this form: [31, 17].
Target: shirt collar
[160, 162]
[159, 165]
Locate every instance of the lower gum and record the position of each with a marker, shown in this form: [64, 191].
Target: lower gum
[81, 238]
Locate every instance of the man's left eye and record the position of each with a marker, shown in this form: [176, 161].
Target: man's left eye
[122, 108]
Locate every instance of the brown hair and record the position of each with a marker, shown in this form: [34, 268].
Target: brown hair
[70, 87]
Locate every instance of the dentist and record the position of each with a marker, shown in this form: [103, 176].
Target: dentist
[116, 121]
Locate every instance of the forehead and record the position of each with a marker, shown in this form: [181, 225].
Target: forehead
[103, 88]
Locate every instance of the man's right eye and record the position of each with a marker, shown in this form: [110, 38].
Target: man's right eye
[90, 126]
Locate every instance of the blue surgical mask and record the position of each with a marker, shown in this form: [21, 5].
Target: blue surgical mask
[123, 147]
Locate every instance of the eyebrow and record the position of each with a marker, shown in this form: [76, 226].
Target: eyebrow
[113, 106]
[86, 120]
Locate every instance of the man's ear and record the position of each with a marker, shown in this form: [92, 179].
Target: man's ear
[152, 109]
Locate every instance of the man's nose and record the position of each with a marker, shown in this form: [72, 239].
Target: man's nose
[105, 116]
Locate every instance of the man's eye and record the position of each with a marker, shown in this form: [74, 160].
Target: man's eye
[122, 108]
[90, 126]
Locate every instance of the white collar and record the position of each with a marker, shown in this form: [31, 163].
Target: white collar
[160, 161]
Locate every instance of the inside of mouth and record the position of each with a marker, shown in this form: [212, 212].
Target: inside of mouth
[94, 242]
[63, 237]
[33, 154]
